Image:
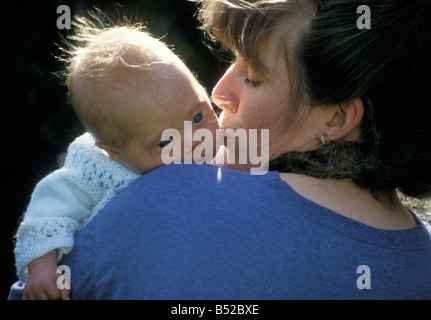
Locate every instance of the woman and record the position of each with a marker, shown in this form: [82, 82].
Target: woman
[349, 118]
[345, 105]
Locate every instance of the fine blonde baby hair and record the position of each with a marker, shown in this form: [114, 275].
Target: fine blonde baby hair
[108, 55]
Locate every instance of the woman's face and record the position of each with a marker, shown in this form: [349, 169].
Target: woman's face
[250, 101]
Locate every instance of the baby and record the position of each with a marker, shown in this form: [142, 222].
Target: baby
[126, 88]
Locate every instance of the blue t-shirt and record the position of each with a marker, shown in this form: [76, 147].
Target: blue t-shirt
[200, 232]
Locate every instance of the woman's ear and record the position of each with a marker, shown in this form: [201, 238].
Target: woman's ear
[345, 120]
[112, 153]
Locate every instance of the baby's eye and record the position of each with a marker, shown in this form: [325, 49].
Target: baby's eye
[164, 143]
[198, 118]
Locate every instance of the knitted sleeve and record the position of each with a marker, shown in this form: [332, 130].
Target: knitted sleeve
[65, 200]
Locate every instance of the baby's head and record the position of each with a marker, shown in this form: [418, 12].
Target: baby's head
[128, 87]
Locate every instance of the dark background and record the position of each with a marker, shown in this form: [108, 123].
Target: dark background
[37, 122]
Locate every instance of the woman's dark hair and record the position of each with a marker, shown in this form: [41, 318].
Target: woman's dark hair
[388, 66]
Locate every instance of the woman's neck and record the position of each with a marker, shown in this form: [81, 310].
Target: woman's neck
[349, 200]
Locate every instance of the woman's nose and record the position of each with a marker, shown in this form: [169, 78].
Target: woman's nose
[224, 93]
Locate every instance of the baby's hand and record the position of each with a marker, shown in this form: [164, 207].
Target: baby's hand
[42, 282]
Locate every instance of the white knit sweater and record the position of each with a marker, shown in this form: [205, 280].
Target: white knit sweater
[65, 200]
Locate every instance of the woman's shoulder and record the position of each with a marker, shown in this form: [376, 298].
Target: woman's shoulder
[209, 175]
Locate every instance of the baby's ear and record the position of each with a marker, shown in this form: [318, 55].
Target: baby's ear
[112, 153]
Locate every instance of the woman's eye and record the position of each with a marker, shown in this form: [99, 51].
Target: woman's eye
[198, 118]
[164, 143]
[252, 82]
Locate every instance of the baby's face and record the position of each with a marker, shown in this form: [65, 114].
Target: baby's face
[177, 99]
